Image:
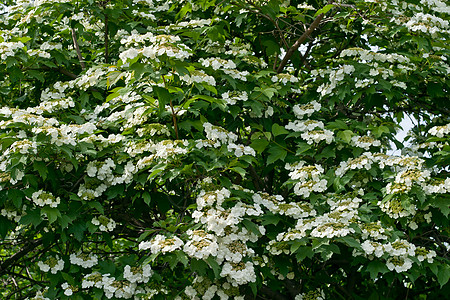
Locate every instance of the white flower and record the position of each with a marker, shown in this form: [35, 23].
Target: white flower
[42, 198]
[128, 54]
[83, 260]
[316, 136]
[364, 142]
[52, 264]
[239, 273]
[160, 243]
[140, 274]
[399, 264]
[104, 223]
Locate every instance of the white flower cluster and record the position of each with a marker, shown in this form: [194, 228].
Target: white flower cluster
[284, 78]
[161, 243]
[68, 289]
[222, 238]
[191, 24]
[239, 273]
[10, 214]
[104, 223]
[440, 131]
[334, 78]
[396, 208]
[231, 97]
[38, 296]
[311, 295]
[364, 142]
[83, 260]
[374, 230]
[240, 150]
[236, 74]
[52, 264]
[437, 187]
[308, 179]
[163, 150]
[406, 178]
[197, 76]
[217, 63]
[101, 170]
[367, 159]
[205, 289]
[111, 287]
[427, 23]
[316, 136]
[436, 5]
[336, 223]
[201, 244]
[42, 198]
[8, 49]
[306, 109]
[91, 77]
[153, 130]
[304, 126]
[140, 274]
[218, 134]
[367, 56]
[66, 134]
[134, 115]
[313, 131]
[167, 45]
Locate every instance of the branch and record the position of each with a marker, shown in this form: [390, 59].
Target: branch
[300, 41]
[67, 73]
[41, 283]
[77, 48]
[15, 257]
[106, 39]
[272, 294]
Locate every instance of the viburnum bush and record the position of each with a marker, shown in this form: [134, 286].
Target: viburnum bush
[205, 149]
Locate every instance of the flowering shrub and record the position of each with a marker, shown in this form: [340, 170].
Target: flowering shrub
[204, 149]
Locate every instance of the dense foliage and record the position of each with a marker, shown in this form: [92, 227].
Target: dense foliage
[202, 149]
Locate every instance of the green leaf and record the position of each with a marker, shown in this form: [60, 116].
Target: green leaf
[33, 217]
[146, 197]
[97, 206]
[16, 196]
[304, 252]
[239, 170]
[278, 130]
[375, 267]
[214, 265]
[41, 167]
[108, 240]
[443, 204]
[442, 273]
[65, 221]
[276, 153]
[268, 219]
[199, 266]
[36, 74]
[251, 226]
[259, 145]
[345, 135]
[182, 257]
[163, 97]
[52, 213]
[324, 10]
[349, 241]
[5, 226]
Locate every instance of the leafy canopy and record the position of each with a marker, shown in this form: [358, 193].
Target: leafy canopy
[208, 149]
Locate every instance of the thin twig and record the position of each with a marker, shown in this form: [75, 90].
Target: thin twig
[106, 39]
[300, 41]
[77, 48]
